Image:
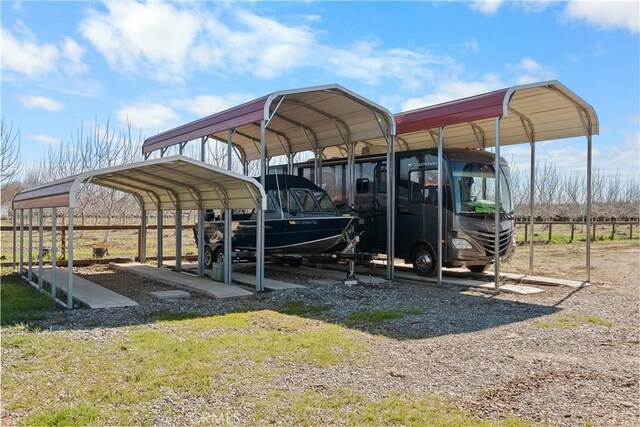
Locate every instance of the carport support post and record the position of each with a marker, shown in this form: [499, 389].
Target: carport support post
[54, 250]
[391, 204]
[40, 251]
[588, 260]
[200, 242]
[70, 262]
[532, 193]
[159, 234]
[228, 218]
[30, 248]
[260, 216]
[496, 232]
[142, 250]
[15, 229]
[21, 272]
[178, 223]
[440, 210]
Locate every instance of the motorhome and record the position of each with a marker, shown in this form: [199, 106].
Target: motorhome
[468, 205]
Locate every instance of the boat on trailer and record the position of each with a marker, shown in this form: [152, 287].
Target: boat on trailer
[301, 219]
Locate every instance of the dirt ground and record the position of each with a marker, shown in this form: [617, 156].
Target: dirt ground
[563, 357]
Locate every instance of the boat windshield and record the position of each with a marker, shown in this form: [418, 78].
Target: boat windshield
[324, 201]
[474, 185]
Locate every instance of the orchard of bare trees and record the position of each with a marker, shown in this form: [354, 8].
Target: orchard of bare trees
[558, 195]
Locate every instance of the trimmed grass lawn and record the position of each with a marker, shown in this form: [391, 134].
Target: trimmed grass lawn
[117, 376]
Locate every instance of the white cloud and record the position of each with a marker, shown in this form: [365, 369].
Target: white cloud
[171, 41]
[451, 89]
[33, 101]
[488, 7]
[152, 117]
[140, 38]
[23, 54]
[608, 15]
[205, 105]
[27, 57]
[530, 71]
[46, 139]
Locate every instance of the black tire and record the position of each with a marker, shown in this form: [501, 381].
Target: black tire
[208, 257]
[477, 268]
[424, 262]
[295, 262]
[219, 256]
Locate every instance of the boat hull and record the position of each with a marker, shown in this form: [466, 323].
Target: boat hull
[290, 235]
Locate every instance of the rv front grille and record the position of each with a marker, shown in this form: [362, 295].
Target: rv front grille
[487, 240]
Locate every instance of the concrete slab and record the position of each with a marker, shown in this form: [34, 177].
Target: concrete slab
[269, 284]
[172, 278]
[324, 282]
[87, 292]
[177, 294]
[515, 289]
[371, 280]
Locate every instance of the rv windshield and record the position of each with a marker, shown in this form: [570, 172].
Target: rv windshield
[474, 185]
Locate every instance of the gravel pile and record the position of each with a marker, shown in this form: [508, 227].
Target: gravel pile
[565, 356]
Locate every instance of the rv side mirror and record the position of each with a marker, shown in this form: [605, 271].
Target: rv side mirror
[362, 185]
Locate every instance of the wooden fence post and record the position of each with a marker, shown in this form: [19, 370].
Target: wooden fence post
[594, 233]
[630, 231]
[550, 228]
[62, 243]
[613, 230]
[526, 227]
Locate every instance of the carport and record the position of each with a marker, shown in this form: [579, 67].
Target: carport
[528, 114]
[288, 122]
[168, 183]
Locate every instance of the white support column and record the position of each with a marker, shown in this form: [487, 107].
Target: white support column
[70, 262]
[142, 250]
[178, 223]
[54, 251]
[40, 251]
[260, 214]
[228, 220]
[159, 222]
[391, 204]
[200, 242]
[15, 229]
[496, 232]
[21, 266]
[351, 178]
[202, 152]
[532, 193]
[588, 239]
[440, 208]
[30, 248]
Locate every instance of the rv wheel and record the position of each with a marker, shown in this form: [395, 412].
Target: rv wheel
[477, 268]
[208, 257]
[219, 255]
[424, 263]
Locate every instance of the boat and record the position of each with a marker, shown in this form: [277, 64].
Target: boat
[301, 219]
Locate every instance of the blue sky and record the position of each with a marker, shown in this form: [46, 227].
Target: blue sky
[162, 64]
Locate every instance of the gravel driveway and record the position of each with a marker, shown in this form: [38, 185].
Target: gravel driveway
[565, 356]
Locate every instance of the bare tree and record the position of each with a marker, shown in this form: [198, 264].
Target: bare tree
[9, 153]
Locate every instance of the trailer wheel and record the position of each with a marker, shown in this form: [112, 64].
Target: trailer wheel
[477, 268]
[208, 257]
[424, 262]
[295, 262]
[219, 255]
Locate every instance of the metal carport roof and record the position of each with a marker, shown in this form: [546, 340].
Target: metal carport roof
[167, 183]
[534, 112]
[299, 120]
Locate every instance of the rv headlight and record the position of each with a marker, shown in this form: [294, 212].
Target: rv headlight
[461, 244]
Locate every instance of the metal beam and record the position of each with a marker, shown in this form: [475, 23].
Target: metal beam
[15, 227]
[54, 251]
[142, 249]
[70, 262]
[589, 189]
[159, 221]
[21, 266]
[40, 251]
[496, 232]
[30, 247]
[440, 209]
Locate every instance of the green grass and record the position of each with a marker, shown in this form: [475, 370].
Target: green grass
[362, 317]
[311, 407]
[299, 308]
[21, 303]
[119, 376]
[572, 321]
